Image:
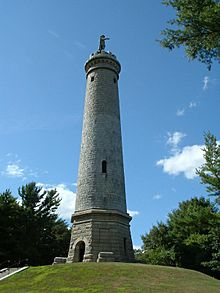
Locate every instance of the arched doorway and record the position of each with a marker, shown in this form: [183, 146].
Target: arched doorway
[80, 251]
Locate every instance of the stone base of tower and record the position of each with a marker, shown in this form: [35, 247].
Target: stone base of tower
[100, 232]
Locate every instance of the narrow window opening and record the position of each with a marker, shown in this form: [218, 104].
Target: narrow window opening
[125, 245]
[115, 80]
[104, 167]
[92, 78]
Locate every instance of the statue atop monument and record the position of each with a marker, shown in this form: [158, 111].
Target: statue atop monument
[102, 40]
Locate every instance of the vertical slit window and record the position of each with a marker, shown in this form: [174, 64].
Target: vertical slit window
[115, 80]
[92, 78]
[104, 167]
[125, 245]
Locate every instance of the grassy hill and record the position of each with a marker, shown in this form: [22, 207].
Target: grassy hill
[109, 277]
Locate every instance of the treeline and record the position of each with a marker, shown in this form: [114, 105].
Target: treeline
[30, 230]
[190, 238]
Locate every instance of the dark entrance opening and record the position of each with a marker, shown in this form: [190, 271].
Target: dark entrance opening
[79, 251]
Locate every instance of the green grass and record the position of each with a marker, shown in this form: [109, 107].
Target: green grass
[109, 277]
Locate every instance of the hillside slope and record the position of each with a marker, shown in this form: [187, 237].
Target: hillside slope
[109, 277]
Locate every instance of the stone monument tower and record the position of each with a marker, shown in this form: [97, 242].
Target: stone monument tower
[101, 230]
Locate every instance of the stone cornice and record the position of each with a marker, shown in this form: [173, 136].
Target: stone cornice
[102, 212]
[102, 60]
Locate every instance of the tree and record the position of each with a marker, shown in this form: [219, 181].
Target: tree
[46, 235]
[210, 171]
[196, 27]
[31, 229]
[214, 239]
[157, 248]
[189, 239]
[10, 228]
[190, 228]
[42, 203]
[157, 237]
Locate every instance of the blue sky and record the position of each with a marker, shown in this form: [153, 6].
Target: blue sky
[166, 101]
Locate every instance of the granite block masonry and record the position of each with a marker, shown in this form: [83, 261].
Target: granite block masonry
[101, 230]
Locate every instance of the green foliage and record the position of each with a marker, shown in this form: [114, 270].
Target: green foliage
[193, 216]
[39, 202]
[190, 239]
[190, 226]
[210, 172]
[158, 256]
[214, 245]
[109, 277]
[157, 237]
[10, 227]
[196, 27]
[31, 230]
[156, 247]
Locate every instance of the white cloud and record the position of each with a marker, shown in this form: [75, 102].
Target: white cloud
[68, 198]
[11, 155]
[67, 205]
[43, 185]
[133, 213]
[174, 139]
[136, 246]
[180, 112]
[13, 170]
[184, 162]
[192, 104]
[205, 82]
[157, 196]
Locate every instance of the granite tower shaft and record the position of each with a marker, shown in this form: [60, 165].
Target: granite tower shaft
[101, 230]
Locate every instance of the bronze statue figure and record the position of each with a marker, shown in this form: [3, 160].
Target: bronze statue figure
[102, 40]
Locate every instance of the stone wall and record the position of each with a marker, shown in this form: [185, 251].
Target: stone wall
[101, 231]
